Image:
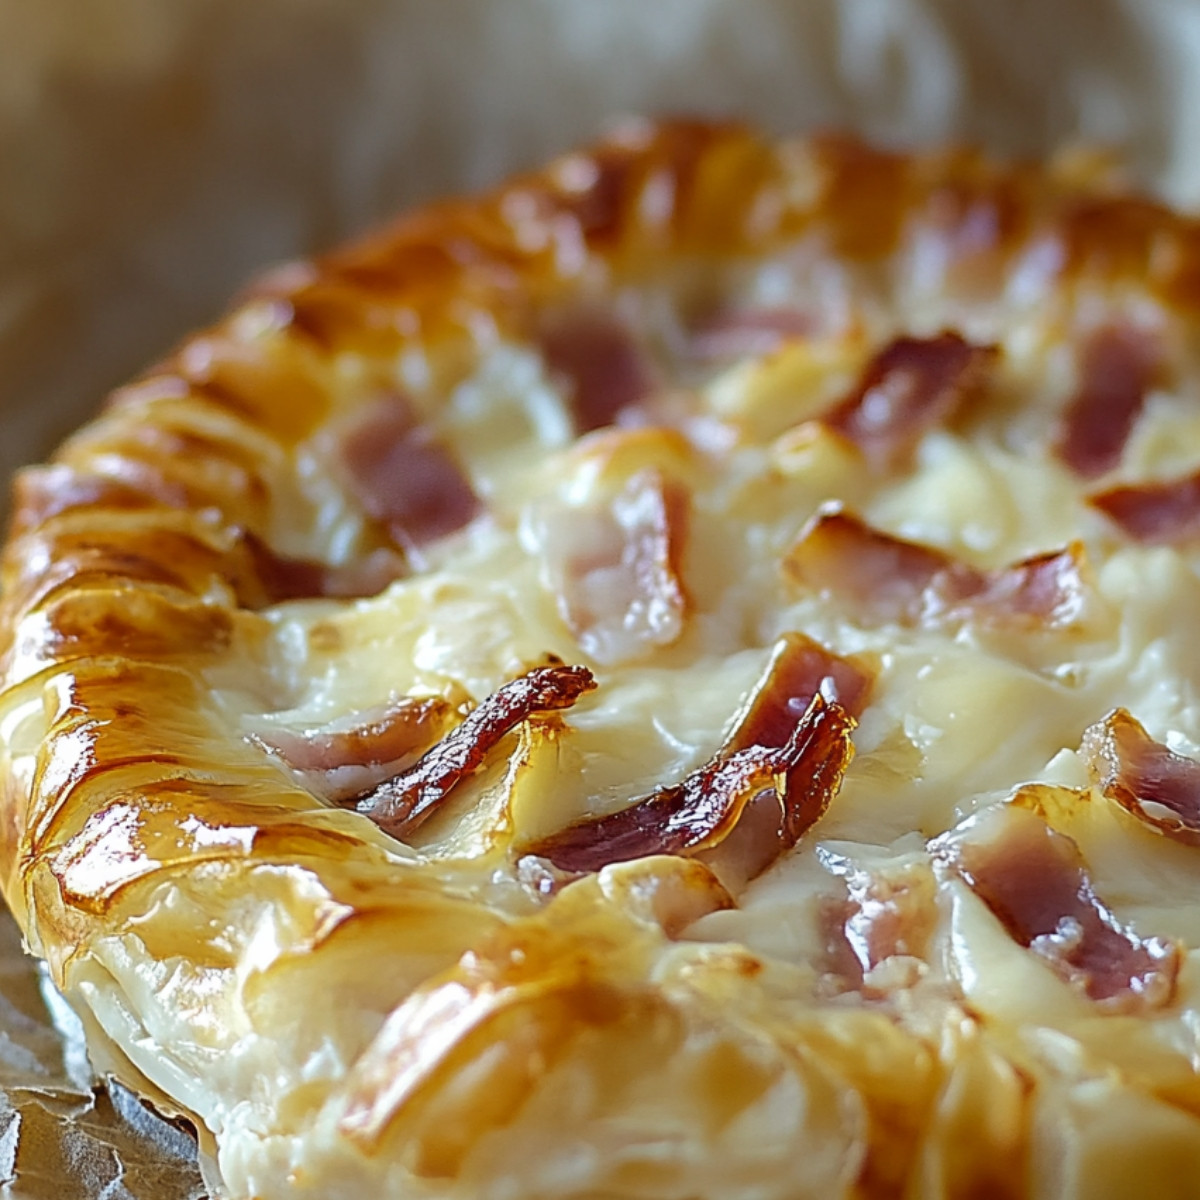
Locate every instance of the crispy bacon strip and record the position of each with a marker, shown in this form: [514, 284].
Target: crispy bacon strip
[402, 804]
[615, 568]
[340, 761]
[697, 814]
[1036, 882]
[910, 386]
[600, 361]
[1117, 365]
[799, 668]
[1154, 512]
[882, 578]
[1157, 786]
[403, 477]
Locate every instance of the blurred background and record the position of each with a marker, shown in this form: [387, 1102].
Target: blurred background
[154, 153]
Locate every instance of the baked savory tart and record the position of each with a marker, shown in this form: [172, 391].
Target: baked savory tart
[675, 679]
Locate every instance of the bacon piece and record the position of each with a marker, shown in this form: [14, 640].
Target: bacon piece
[884, 914]
[615, 568]
[747, 332]
[343, 760]
[1047, 589]
[1154, 512]
[879, 576]
[600, 361]
[798, 669]
[403, 477]
[698, 814]
[402, 804]
[286, 578]
[1117, 365]
[882, 578]
[1156, 785]
[1036, 882]
[911, 385]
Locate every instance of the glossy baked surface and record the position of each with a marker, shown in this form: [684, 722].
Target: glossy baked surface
[407, 768]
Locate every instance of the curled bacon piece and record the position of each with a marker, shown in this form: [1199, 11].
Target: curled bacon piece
[1036, 882]
[402, 804]
[1154, 512]
[697, 814]
[615, 568]
[908, 387]
[600, 361]
[344, 760]
[883, 578]
[1157, 786]
[1117, 365]
[403, 477]
[799, 669]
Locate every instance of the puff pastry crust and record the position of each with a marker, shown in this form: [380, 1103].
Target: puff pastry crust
[675, 678]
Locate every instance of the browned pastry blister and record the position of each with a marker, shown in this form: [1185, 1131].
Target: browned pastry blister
[672, 679]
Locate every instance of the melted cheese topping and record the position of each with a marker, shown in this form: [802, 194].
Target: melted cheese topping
[960, 717]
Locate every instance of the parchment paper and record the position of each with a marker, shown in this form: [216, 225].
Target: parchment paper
[154, 153]
[61, 1139]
